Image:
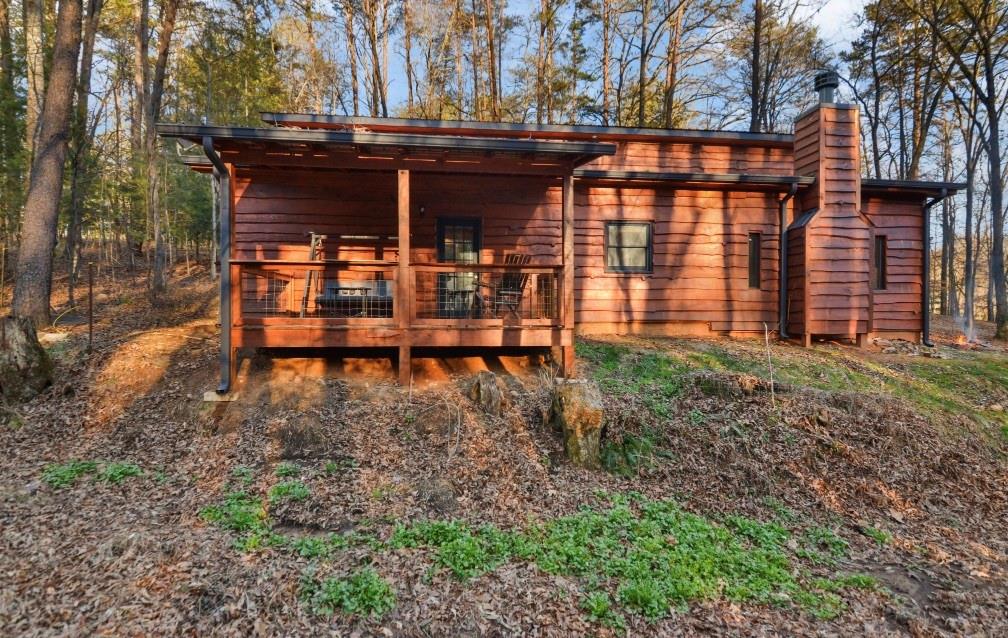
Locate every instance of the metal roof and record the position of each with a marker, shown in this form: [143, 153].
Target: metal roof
[318, 121]
[910, 185]
[578, 151]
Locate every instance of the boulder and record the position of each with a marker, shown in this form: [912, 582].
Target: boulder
[488, 392]
[25, 368]
[576, 410]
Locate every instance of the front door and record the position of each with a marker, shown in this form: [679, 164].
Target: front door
[458, 242]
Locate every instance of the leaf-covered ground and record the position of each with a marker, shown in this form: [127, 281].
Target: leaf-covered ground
[864, 494]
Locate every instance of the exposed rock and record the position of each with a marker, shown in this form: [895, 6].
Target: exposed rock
[576, 409]
[438, 494]
[25, 368]
[488, 391]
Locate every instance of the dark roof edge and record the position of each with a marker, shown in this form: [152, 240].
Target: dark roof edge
[708, 178]
[278, 119]
[910, 185]
[579, 148]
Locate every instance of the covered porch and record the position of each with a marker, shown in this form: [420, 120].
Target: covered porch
[374, 240]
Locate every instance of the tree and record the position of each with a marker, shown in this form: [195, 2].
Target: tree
[38, 239]
[772, 52]
[974, 33]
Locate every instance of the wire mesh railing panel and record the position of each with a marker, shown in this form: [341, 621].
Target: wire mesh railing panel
[331, 294]
[511, 295]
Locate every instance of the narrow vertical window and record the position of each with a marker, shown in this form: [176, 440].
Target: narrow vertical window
[755, 257]
[880, 262]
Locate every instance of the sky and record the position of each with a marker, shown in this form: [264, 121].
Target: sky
[836, 21]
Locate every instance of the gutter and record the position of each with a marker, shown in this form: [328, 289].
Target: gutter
[926, 279]
[224, 189]
[783, 265]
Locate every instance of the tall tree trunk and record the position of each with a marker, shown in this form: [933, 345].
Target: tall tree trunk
[606, 61]
[159, 274]
[672, 66]
[34, 278]
[408, 49]
[81, 145]
[35, 73]
[490, 21]
[755, 97]
[351, 47]
[642, 50]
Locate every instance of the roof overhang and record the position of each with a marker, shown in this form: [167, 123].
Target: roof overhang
[909, 187]
[246, 146]
[764, 182]
[523, 130]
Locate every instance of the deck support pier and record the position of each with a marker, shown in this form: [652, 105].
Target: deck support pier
[403, 278]
[568, 275]
[223, 175]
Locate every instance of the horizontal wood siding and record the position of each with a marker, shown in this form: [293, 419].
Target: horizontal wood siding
[679, 157]
[700, 258]
[276, 209]
[899, 219]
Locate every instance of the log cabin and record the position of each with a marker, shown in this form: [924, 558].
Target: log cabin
[402, 233]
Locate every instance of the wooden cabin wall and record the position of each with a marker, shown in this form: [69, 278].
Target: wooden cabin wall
[684, 157]
[275, 209]
[700, 259]
[899, 219]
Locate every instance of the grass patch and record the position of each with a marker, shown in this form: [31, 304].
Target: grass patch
[287, 469]
[363, 593]
[631, 455]
[116, 473]
[654, 376]
[66, 474]
[652, 554]
[239, 512]
[243, 475]
[63, 475]
[881, 536]
[289, 491]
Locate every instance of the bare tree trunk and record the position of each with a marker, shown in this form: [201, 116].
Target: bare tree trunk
[755, 96]
[159, 274]
[490, 20]
[606, 61]
[672, 66]
[34, 278]
[81, 138]
[35, 73]
[408, 49]
[351, 48]
[642, 63]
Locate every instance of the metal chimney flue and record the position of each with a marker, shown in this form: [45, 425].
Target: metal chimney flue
[826, 84]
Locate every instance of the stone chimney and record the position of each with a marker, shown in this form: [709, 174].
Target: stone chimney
[835, 242]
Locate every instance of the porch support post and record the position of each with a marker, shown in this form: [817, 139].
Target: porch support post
[225, 192]
[403, 278]
[568, 276]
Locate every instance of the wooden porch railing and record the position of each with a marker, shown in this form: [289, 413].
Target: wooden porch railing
[365, 293]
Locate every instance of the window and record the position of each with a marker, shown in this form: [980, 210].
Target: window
[628, 247]
[755, 257]
[880, 262]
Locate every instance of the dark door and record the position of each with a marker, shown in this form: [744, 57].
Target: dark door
[458, 242]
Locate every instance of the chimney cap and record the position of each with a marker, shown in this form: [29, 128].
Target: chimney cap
[827, 79]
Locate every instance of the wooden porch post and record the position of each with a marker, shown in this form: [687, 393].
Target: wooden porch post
[404, 279]
[568, 276]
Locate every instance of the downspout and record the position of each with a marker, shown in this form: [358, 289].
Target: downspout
[783, 274]
[926, 278]
[224, 192]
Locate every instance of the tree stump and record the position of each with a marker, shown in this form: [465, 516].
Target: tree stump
[25, 368]
[576, 410]
[487, 391]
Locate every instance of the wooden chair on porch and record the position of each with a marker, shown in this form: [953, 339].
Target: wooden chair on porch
[507, 291]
